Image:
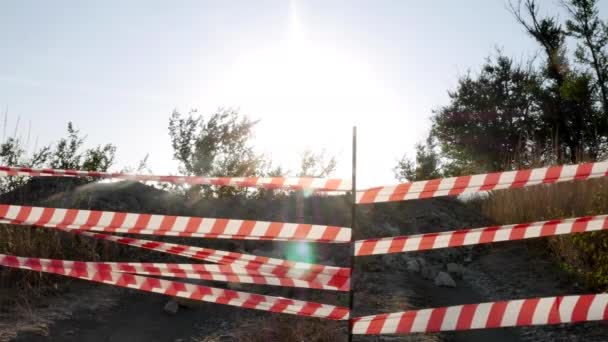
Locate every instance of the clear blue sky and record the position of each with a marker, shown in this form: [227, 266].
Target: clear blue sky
[308, 69]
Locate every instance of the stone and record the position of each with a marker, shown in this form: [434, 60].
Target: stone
[455, 269]
[171, 307]
[413, 266]
[444, 279]
[428, 272]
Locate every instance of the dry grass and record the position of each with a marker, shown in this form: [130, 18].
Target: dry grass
[44, 243]
[583, 254]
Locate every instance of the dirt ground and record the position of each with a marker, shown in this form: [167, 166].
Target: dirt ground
[93, 312]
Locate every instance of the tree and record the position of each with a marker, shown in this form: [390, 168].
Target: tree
[67, 154]
[571, 122]
[316, 164]
[491, 118]
[426, 166]
[216, 146]
[592, 34]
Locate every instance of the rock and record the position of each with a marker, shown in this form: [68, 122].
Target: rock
[171, 307]
[455, 269]
[444, 279]
[413, 266]
[429, 272]
[421, 262]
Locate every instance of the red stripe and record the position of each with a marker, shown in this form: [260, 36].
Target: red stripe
[246, 228]
[117, 220]
[518, 231]
[490, 181]
[376, 324]
[526, 313]
[427, 241]
[496, 314]
[580, 224]
[436, 319]
[330, 233]
[466, 316]
[549, 228]
[457, 238]
[397, 244]
[583, 170]
[369, 196]
[22, 215]
[142, 222]
[302, 231]
[581, 309]
[367, 247]
[430, 187]
[521, 178]
[400, 192]
[552, 175]
[406, 322]
[219, 226]
[332, 184]
[460, 185]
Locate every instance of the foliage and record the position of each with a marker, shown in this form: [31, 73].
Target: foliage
[426, 166]
[216, 146]
[316, 164]
[583, 254]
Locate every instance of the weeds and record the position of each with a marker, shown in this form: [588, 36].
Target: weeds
[585, 255]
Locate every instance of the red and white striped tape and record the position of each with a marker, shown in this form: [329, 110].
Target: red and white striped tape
[225, 273]
[296, 183]
[132, 223]
[328, 276]
[185, 290]
[483, 182]
[521, 312]
[483, 235]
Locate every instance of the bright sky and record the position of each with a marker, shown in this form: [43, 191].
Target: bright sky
[309, 70]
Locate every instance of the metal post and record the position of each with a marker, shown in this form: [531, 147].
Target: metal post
[353, 226]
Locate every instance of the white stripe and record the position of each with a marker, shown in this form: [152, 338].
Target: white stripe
[568, 172]
[232, 227]
[512, 311]
[422, 320]
[154, 223]
[505, 180]
[35, 214]
[532, 231]
[445, 186]
[480, 318]
[360, 327]
[411, 244]
[382, 247]
[536, 176]
[503, 233]
[181, 223]
[58, 216]
[598, 307]
[105, 219]
[344, 234]
[543, 309]
[596, 224]
[450, 320]
[566, 307]
[472, 237]
[260, 228]
[391, 322]
[442, 240]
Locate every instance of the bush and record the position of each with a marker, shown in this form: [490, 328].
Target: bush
[585, 255]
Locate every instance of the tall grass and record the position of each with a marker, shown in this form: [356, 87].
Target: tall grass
[583, 254]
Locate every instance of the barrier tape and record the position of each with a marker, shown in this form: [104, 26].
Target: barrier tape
[466, 237]
[295, 183]
[225, 273]
[483, 182]
[168, 225]
[329, 276]
[185, 290]
[521, 312]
